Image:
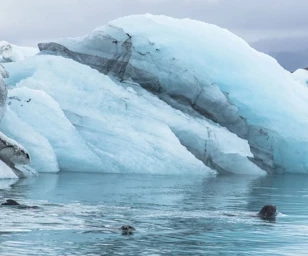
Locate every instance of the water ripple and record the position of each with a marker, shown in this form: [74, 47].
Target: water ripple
[80, 214]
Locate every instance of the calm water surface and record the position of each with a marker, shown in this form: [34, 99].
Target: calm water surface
[174, 215]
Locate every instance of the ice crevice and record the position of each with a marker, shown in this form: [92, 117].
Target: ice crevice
[206, 148]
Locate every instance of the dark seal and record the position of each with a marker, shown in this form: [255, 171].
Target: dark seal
[12, 202]
[268, 212]
[127, 230]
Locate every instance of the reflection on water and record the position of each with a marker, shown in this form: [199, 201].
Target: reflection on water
[80, 214]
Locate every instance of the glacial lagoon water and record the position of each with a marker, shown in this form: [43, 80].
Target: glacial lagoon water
[173, 215]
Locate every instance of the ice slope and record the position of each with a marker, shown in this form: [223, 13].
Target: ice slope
[33, 105]
[302, 76]
[6, 172]
[210, 69]
[10, 52]
[13, 157]
[3, 72]
[117, 127]
[3, 91]
[43, 158]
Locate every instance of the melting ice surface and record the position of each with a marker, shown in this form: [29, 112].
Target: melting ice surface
[204, 102]
[302, 76]
[216, 71]
[88, 122]
[10, 52]
[174, 215]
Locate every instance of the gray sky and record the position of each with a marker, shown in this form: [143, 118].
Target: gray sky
[26, 22]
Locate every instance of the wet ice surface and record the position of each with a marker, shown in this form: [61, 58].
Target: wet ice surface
[80, 214]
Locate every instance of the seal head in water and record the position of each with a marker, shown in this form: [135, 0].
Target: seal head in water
[10, 202]
[127, 229]
[268, 212]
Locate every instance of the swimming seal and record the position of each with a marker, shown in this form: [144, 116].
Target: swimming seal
[268, 211]
[127, 230]
[12, 202]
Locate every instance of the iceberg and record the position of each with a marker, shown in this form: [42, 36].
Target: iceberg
[13, 157]
[97, 124]
[10, 52]
[3, 72]
[33, 105]
[207, 71]
[6, 172]
[3, 91]
[43, 158]
[302, 76]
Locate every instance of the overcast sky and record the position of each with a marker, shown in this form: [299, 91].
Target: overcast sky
[26, 22]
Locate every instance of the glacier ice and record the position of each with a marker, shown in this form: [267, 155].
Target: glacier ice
[6, 172]
[3, 72]
[14, 158]
[32, 105]
[3, 91]
[12, 151]
[209, 69]
[10, 52]
[97, 124]
[302, 76]
[43, 158]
